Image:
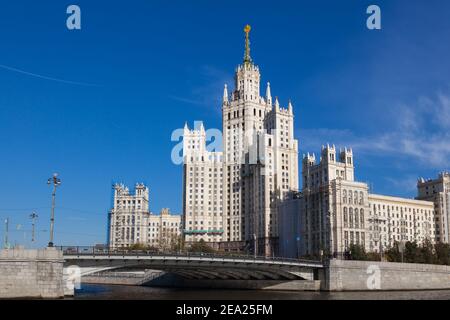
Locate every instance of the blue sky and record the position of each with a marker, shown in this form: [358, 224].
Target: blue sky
[137, 71]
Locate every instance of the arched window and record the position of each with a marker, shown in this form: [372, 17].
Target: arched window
[356, 219]
[355, 197]
[351, 217]
[345, 218]
[361, 198]
[344, 197]
[361, 217]
[350, 199]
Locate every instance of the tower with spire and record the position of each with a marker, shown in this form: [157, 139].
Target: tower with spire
[259, 164]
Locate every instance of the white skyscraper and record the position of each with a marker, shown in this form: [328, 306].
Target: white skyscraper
[257, 168]
[202, 189]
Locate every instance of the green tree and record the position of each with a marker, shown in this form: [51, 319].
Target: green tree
[357, 252]
[201, 246]
[442, 253]
[427, 253]
[138, 246]
[393, 253]
[177, 243]
[412, 253]
[373, 256]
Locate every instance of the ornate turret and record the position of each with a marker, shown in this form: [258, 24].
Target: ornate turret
[277, 104]
[202, 128]
[268, 94]
[225, 94]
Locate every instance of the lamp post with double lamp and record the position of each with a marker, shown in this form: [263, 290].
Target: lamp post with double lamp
[55, 181]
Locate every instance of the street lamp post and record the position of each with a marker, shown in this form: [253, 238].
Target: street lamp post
[254, 245]
[6, 233]
[33, 217]
[56, 182]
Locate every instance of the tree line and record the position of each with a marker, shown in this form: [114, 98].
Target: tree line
[410, 252]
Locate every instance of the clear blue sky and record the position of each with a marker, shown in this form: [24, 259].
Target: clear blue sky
[137, 70]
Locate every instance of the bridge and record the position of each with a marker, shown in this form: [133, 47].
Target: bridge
[45, 273]
[192, 266]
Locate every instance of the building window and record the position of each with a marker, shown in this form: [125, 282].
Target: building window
[351, 217]
[345, 218]
[362, 218]
[346, 239]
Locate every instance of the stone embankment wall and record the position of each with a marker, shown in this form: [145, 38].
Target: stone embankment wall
[344, 275]
[28, 273]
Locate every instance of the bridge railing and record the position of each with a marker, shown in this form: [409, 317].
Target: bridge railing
[106, 251]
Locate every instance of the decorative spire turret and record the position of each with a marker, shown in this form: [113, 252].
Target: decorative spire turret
[247, 58]
[268, 94]
[225, 94]
[290, 106]
[277, 104]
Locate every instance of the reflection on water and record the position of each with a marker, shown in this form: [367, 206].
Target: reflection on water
[93, 291]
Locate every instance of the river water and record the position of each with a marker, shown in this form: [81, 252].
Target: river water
[121, 292]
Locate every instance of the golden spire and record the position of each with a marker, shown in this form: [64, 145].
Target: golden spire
[247, 58]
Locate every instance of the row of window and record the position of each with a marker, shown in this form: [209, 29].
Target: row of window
[352, 197]
[353, 218]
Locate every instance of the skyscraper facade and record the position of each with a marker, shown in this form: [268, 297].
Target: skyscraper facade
[131, 222]
[438, 191]
[258, 167]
